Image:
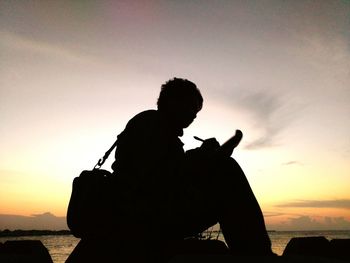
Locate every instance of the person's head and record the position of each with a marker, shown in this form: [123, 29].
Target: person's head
[180, 100]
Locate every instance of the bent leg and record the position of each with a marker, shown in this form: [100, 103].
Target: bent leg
[240, 217]
[220, 192]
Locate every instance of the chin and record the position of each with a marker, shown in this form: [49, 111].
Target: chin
[187, 125]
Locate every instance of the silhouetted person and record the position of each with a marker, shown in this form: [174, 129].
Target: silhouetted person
[168, 194]
[164, 195]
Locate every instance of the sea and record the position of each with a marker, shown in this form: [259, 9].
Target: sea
[60, 246]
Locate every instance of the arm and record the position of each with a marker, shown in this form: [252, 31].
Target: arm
[226, 149]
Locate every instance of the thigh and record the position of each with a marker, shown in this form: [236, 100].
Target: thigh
[193, 220]
[195, 210]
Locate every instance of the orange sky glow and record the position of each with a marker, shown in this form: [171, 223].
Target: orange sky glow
[73, 73]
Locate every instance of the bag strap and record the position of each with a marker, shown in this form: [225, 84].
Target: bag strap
[102, 160]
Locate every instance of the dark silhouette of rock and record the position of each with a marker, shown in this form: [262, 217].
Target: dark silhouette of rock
[201, 247]
[122, 252]
[28, 251]
[307, 246]
[113, 250]
[340, 248]
[320, 247]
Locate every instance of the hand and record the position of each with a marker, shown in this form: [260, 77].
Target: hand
[228, 147]
[210, 145]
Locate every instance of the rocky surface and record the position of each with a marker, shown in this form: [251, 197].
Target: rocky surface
[298, 250]
[26, 251]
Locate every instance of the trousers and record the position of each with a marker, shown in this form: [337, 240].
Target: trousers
[219, 192]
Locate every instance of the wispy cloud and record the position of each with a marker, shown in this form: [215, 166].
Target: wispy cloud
[272, 115]
[29, 45]
[337, 203]
[270, 111]
[273, 214]
[293, 163]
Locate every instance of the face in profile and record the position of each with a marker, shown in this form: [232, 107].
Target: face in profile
[187, 116]
[186, 112]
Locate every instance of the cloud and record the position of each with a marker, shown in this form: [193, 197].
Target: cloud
[270, 112]
[305, 222]
[295, 222]
[29, 45]
[293, 163]
[45, 221]
[338, 203]
[272, 214]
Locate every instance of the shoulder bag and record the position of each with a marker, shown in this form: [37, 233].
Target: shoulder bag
[91, 206]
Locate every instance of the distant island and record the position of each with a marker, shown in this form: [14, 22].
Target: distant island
[17, 233]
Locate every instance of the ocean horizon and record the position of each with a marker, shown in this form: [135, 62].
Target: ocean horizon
[60, 246]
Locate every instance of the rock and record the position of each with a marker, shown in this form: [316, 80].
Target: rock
[195, 246]
[308, 246]
[340, 248]
[28, 251]
[320, 247]
[96, 250]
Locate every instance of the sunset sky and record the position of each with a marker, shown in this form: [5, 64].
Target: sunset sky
[72, 73]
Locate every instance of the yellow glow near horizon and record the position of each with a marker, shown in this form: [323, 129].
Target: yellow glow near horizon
[69, 87]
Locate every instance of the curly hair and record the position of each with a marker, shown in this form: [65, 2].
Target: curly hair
[179, 90]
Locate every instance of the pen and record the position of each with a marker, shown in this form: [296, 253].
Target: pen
[199, 139]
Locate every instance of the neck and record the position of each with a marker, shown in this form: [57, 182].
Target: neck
[170, 124]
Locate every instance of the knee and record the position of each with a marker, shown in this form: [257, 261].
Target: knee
[230, 164]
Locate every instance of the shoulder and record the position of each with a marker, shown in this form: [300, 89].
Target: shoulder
[138, 126]
[147, 114]
[144, 118]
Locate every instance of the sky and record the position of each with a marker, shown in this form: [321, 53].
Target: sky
[72, 73]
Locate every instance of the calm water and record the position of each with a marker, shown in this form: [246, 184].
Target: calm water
[61, 246]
